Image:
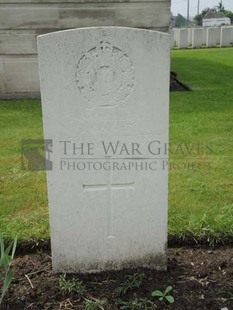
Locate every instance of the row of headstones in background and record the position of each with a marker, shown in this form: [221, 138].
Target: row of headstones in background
[198, 37]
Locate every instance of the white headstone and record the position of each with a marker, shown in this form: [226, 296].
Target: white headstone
[172, 38]
[211, 40]
[197, 37]
[105, 94]
[204, 36]
[218, 34]
[182, 38]
[231, 34]
[225, 39]
[176, 33]
[190, 36]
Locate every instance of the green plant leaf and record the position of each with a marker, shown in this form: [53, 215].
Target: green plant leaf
[6, 272]
[7, 251]
[157, 294]
[5, 261]
[168, 289]
[7, 282]
[2, 247]
[170, 299]
[14, 248]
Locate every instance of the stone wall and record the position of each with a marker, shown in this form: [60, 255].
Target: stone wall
[21, 21]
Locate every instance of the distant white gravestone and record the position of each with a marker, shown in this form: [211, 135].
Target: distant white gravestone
[105, 97]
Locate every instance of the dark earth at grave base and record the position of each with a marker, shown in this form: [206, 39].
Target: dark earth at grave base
[175, 84]
[202, 278]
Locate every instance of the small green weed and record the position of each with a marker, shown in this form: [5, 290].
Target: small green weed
[138, 304]
[164, 295]
[228, 293]
[71, 286]
[132, 281]
[6, 270]
[95, 304]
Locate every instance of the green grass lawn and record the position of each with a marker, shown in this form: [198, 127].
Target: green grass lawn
[23, 194]
[200, 185]
[201, 199]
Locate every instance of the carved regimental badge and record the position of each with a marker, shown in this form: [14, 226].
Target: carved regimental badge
[105, 75]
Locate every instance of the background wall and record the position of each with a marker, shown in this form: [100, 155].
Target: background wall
[21, 21]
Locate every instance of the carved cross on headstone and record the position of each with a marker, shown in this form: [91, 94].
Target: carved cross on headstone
[109, 187]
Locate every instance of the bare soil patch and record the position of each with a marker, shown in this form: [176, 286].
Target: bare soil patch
[175, 84]
[201, 279]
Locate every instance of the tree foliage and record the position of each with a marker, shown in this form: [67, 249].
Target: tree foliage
[180, 21]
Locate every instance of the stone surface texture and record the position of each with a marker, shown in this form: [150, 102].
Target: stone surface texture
[102, 85]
